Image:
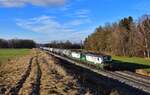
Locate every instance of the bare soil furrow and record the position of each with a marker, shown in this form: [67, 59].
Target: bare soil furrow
[14, 90]
[37, 81]
[28, 85]
[12, 72]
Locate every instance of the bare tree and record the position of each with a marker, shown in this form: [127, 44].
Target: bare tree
[144, 31]
[126, 38]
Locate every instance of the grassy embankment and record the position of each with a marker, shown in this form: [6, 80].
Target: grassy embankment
[131, 63]
[6, 54]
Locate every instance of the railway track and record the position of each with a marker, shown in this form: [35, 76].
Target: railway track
[135, 76]
[133, 80]
[137, 82]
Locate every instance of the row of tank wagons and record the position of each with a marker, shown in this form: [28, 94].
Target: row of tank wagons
[96, 59]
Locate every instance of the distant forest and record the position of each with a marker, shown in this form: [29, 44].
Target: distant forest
[17, 43]
[126, 37]
[63, 45]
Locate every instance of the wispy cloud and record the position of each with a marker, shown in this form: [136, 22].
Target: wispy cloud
[55, 29]
[80, 13]
[77, 22]
[19, 3]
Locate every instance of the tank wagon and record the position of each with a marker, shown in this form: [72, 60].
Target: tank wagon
[104, 61]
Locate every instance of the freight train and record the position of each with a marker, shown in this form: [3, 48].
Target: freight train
[103, 61]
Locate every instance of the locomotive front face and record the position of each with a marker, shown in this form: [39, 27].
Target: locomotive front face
[107, 58]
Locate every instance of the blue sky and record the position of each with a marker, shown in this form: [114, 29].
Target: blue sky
[47, 20]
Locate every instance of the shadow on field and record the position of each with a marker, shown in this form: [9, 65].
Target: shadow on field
[119, 65]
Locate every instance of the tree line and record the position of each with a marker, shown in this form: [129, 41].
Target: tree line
[17, 43]
[63, 45]
[126, 37]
